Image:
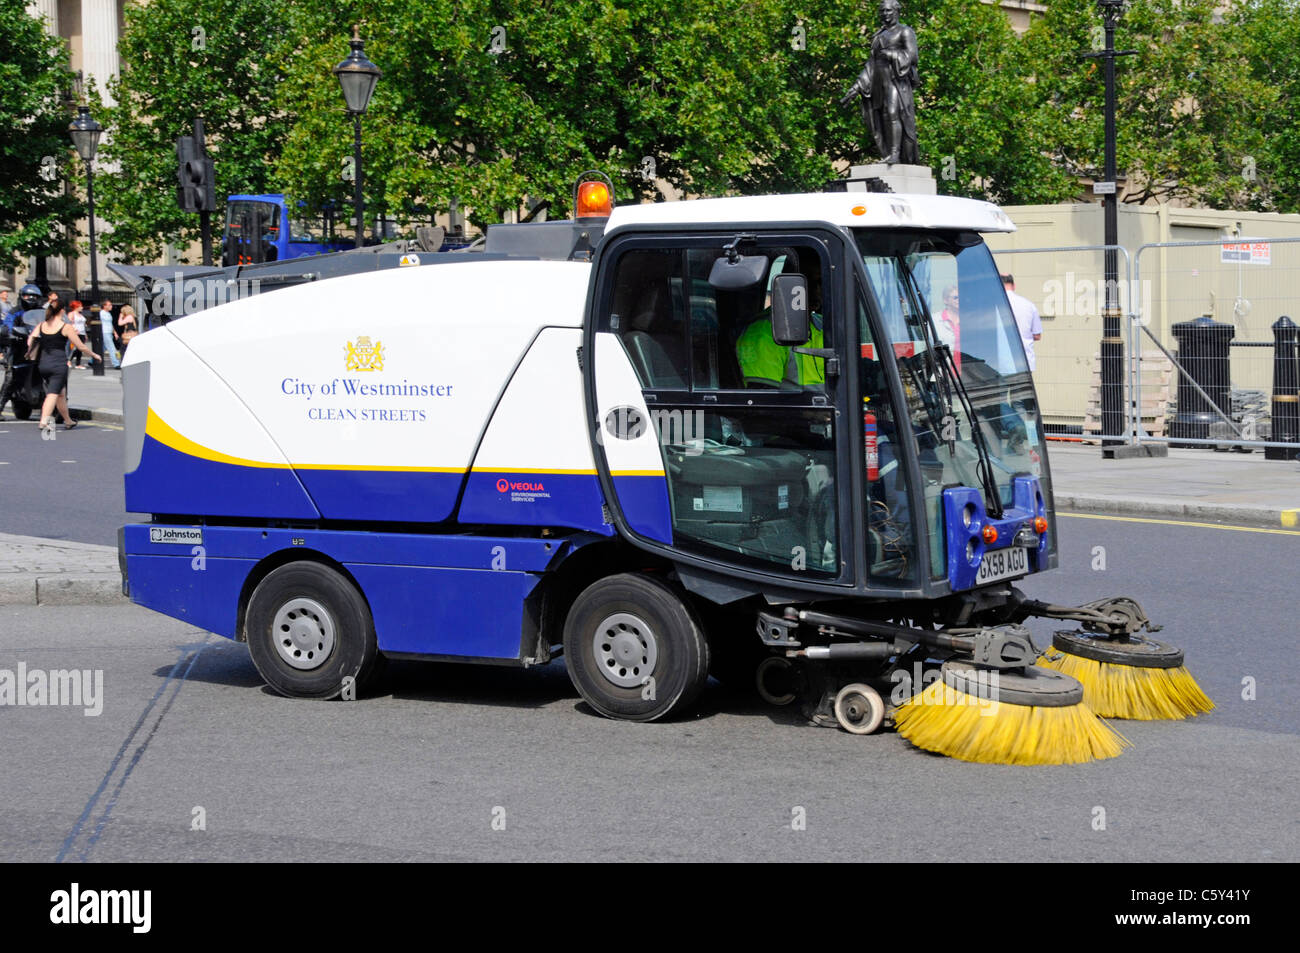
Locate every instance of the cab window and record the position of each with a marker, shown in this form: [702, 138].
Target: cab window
[746, 427]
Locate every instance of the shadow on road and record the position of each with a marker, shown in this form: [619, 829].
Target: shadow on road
[228, 664]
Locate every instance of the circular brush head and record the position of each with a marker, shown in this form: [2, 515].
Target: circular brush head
[1006, 717]
[1135, 678]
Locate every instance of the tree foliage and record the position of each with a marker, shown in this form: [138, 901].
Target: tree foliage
[1185, 98]
[36, 156]
[1266, 34]
[491, 103]
[179, 59]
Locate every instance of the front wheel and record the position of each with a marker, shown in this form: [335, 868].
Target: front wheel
[310, 632]
[22, 410]
[634, 649]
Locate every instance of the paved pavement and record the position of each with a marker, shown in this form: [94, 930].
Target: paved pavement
[1202, 485]
[1189, 484]
[36, 571]
[95, 398]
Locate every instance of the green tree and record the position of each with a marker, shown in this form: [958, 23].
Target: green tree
[1185, 100]
[710, 96]
[1266, 34]
[181, 58]
[36, 155]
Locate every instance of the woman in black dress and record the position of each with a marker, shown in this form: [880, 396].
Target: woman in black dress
[54, 334]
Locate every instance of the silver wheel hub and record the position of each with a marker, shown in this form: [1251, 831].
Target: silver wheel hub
[625, 649]
[304, 633]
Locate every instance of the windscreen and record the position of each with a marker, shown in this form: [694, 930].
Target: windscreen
[937, 291]
[252, 231]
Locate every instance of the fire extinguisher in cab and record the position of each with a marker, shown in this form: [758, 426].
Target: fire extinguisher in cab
[869, 434]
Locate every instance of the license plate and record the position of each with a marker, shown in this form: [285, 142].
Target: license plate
[1002, 564]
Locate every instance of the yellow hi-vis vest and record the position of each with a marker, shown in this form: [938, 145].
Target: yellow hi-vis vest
[762, 359]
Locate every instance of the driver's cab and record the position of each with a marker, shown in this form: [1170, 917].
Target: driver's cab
[751, 441]
[807, 426]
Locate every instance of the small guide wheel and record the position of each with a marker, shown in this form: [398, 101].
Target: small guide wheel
[859, 709]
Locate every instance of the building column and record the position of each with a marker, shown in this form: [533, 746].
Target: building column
[100, 64]
[49, 9]
[99, 44]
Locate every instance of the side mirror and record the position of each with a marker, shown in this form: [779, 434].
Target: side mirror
[790, 310]
[745, 271]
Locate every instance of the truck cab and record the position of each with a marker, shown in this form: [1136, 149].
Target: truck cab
[873, 460]
[263, 228]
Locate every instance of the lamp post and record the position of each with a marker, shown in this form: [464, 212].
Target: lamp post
[1112, 340]
[85, 132]
[358, 77]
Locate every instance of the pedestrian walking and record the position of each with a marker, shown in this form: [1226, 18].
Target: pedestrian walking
[126, 326]
[1027, 318]
[77, 318]
[109, 333]
[48, 345]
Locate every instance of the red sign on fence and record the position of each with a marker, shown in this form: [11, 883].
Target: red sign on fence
[1251, 253]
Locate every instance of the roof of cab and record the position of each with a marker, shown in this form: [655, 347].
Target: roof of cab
[848, 209]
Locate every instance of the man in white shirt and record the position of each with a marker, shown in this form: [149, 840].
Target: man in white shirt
[1027, 318]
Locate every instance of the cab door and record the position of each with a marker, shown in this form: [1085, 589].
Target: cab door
[716, 445]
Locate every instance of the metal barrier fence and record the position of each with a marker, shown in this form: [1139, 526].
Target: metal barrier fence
[1219, 316]
[1067, 285]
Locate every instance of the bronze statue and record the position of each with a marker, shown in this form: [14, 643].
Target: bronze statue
[884, 88]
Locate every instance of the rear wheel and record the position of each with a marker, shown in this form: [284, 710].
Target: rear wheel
[635, 649]
[310, 631]
[22, 410]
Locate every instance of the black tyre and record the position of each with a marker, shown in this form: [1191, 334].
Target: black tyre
[22, 410]
[309, 630]
[634, 648]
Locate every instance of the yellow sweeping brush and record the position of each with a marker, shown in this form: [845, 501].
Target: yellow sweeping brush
[1137, 678]
[1006, 717]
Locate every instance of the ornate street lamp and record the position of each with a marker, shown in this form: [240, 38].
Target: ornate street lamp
[85, 133]
[358, 77]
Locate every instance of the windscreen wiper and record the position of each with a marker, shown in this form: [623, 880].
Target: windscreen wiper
[992, 498]
[951, 381]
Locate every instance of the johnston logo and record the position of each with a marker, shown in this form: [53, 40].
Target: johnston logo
[364, 356]
[75, 905]
[182, 535]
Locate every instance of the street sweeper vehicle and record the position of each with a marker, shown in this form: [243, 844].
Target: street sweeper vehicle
[720, 436]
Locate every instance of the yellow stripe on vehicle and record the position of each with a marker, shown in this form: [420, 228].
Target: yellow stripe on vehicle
[168, 436]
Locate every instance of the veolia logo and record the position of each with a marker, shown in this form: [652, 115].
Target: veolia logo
[522, 487]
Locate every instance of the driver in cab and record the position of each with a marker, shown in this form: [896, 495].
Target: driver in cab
[764, 363]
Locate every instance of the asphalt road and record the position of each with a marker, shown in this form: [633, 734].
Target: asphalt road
[422, 770]
[66, 488]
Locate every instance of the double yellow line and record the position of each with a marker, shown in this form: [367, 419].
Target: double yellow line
[1289, 518]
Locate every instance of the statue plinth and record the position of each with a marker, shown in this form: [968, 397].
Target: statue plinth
[901, 178]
